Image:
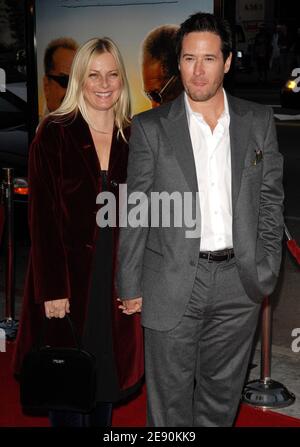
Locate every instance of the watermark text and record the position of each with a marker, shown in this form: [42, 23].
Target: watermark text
[2, 340]
[155, 210]
[296, 73]
[2, 80]
[296, 343]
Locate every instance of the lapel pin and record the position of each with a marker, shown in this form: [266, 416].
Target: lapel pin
[258, 156]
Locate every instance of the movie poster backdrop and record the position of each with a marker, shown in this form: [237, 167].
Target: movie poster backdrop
[127, 22]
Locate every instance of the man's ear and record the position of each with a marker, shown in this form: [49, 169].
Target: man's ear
[227, 63]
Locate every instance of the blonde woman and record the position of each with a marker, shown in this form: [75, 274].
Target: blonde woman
[80, 150]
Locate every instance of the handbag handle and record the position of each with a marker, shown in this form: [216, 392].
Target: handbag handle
[41, 339]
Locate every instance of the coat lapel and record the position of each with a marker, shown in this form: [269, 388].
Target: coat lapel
[116, 150]
[239, 129]
[84, 141]
[176, 127]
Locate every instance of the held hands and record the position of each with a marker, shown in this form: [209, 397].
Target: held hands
[57, 308]
[130, 307]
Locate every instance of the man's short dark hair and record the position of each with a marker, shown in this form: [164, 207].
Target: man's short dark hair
[201, 22]
[160, 44]
[62, 42]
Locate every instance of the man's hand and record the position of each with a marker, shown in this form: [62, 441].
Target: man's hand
[130, 307]
[57, 308]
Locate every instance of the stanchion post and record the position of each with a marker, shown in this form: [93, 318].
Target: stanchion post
[266, 339]
[10, 264]
[9, 324]
[265, 392]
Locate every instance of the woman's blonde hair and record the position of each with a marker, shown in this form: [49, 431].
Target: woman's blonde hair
[74, 100]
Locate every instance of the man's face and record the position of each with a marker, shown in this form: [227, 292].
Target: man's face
[54, 92]
[202, 65]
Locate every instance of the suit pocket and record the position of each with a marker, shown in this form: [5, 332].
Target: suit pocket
[152, 259]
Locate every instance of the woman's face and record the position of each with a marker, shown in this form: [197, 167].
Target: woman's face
[103, 85]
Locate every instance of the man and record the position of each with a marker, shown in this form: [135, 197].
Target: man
[58, 59]
[201, 296]
[159, 65]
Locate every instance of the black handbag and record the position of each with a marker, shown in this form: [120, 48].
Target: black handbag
[54, 378]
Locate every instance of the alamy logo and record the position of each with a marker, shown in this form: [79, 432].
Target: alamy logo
[296, 73]
[2, 340]
[2, 80]
[296, 343]
[160, 209]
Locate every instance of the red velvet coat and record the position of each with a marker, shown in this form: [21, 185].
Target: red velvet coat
[64, 181]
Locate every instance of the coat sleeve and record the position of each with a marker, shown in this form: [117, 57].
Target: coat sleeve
[49, 261]
[132, 240]
[270, 226]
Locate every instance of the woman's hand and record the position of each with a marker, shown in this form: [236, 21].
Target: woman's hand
[57, 308]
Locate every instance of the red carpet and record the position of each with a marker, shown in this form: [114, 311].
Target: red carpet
[132, 414]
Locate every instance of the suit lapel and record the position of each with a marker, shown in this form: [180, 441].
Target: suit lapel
[176, 127]
[240, 125]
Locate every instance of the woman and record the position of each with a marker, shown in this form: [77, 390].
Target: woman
[80, 150]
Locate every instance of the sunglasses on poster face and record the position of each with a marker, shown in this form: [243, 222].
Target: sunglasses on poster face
[159, 97]
[62, 80]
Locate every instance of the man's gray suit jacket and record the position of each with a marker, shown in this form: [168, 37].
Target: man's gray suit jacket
[160, 263]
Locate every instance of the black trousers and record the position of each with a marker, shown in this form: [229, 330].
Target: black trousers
[99, 417]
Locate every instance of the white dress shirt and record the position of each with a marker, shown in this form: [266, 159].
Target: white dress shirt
[213, 167]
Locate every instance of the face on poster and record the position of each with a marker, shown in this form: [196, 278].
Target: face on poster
[127, 22]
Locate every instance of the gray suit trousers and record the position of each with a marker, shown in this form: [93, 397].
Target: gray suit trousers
[195, 372]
